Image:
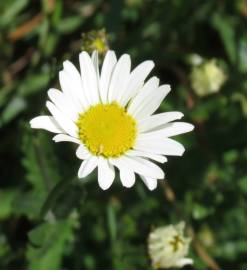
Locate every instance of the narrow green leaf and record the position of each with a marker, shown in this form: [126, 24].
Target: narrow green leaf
[225, 27]
[14, 107]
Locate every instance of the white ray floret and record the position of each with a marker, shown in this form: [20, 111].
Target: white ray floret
[109, 113]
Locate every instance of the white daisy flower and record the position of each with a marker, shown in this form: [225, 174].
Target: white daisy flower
[109, 114]
[167, 246]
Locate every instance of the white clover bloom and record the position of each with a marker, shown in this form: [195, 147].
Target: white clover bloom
[167, 246]
[109, 114]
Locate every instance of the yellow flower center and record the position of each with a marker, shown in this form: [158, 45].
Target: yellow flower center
[107, 130]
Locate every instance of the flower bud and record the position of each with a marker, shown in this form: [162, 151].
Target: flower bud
[95, 40]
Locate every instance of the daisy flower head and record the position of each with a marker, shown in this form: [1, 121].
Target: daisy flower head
[109, 114]
[168, 246]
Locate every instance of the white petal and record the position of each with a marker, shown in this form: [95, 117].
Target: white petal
[89, 78]
[171, 129]
[106, 74]
[152, 102]
[65, 138]
[160, 146]
[150, 86]
[47, 123]
[82, 152]
[87, 166]
[137, 153]
[106, 173]
[151, 183]
[184, 261]
[143, 167]
[75, 84]
[120, 78]
[158, 120]
[127, 176]
[136, 80]
[95, 61]
[67, 89]
[62, 120]
[63, 104]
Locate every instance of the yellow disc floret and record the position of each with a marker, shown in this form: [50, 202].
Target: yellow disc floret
[107, 130]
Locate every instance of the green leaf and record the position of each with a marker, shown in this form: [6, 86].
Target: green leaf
[7, 198]
[243, 54]
[242, 99]
[41, 170]
[11, 11]
[49, 242]
[230, 156]
[4, 93]
[200, 211]
[14, 107]
[242, 183]
[70, 24]
[51, 43]
[225, 26]
[34, 83]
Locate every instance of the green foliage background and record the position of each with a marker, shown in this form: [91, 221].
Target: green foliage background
[49, 220]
